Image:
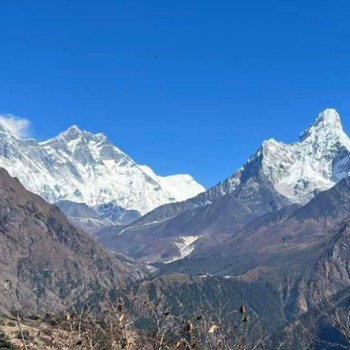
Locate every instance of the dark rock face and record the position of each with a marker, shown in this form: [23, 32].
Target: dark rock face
[46, 260]
[94, 219]
[151, 241]
[303, 251]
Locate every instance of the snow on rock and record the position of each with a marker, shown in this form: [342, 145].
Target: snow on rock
[87, 168]
[300, 170]
[182, 186]
[185, 246]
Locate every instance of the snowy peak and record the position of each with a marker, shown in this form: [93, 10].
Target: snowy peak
[268, 147]
[72, 132]
[84, 146]
[329, 117]
[82, 167]
[327, 122]
[300, 170]
[275, 176]
[182, 186]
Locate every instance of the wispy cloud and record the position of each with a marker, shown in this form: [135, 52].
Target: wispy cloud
[18, 126]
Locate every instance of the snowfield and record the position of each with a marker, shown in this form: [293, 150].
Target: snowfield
[87, 168]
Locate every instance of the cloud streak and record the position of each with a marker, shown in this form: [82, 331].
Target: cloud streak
[18, 126]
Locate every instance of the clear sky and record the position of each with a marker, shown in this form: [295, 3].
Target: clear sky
[184, 86]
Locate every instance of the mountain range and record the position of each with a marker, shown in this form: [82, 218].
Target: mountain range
[93, 181]
[281, 222]
[276, 233]
[276, 176]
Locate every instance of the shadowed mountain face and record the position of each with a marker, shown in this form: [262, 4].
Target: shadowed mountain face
[157, 241]
[283, 237]
[280, 263]
[302, 251]
[45, 260]
[95, 219]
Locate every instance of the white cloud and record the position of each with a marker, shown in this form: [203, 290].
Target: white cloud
[18, 126]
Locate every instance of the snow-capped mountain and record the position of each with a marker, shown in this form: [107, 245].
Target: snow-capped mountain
[300, 170]
[82, 167]
[276, 176]
[294, 171]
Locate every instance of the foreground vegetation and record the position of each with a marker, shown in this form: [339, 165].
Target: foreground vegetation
[117, 329]
[148, 318]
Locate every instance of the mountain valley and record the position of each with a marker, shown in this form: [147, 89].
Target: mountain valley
[274, 236]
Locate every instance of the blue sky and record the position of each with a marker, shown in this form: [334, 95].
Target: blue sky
[228, 74]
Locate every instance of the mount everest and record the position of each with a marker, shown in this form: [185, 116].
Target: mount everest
[78, 168]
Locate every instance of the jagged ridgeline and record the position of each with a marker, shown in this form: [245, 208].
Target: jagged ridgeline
[270, 244]
[95, 182]
[275, 177]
